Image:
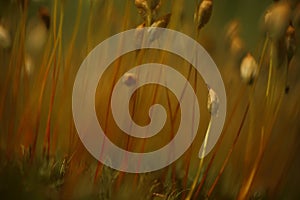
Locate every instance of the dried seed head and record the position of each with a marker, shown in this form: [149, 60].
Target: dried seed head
[139, 27]
[141, 4]
[5, 39]
[143, 8]
[147, 4]
[36, 37]
[212, 102]
[37, 32]
[129, 79]
[232, 30]
[237, 48]
[162, 22]
[277, 20]
[154, 4]
[147, 9]
[248, 69]
[290, 42]
[203, 13]
[44, 16]
[233, 40]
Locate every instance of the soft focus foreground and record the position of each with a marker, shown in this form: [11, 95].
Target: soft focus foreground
[255, 45]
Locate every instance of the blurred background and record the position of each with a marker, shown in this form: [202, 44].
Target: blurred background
[255, 45]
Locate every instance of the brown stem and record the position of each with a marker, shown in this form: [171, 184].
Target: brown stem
[72, 42]
[119, 61]
[219, 142]
[228, 154]
[248, 183]
[43, 86]
[55, 75]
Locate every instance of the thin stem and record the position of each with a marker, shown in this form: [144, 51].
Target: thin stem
[55, 75]
[228, 154]
[191, 192]
[43, 86]
[247, 185]
[90, 23]
[116, 71]
[218, 145]
[286, 89]
[189, 155]
[72, 42]
[270, 72]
